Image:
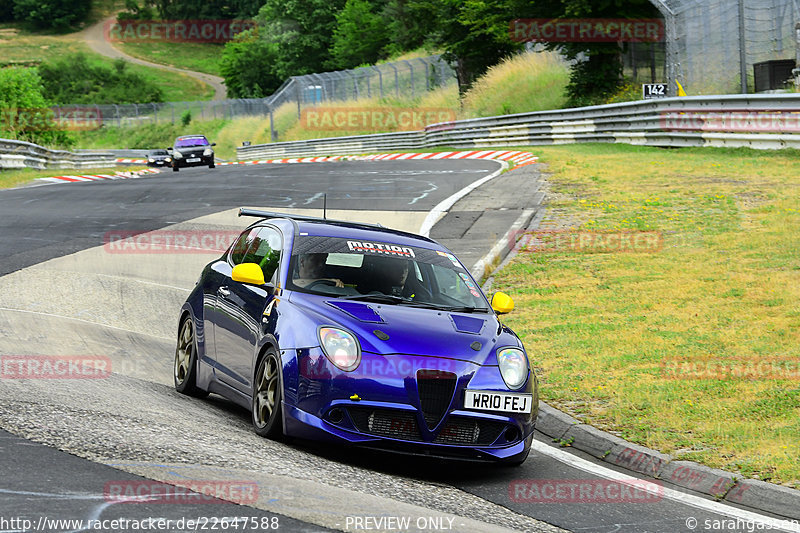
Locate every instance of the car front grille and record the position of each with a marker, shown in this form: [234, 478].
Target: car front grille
[386, 423]
[403, 425]
[436, 390]
[462, 430]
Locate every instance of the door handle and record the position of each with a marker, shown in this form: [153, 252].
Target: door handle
[224, 292]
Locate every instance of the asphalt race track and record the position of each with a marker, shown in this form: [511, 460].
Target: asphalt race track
[65, 445]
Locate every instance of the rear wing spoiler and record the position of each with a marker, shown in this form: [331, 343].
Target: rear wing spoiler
[246, 212]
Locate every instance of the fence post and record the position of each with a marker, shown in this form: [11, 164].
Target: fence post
[380, 79]
[411, 69]
[297, 91]
[273, 135]
[427, 77]
[396, 80]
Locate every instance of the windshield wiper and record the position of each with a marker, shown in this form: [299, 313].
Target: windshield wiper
[464, 309]
[382, 298]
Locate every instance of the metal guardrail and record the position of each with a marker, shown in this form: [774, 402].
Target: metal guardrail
[20, 154]
[769, 121]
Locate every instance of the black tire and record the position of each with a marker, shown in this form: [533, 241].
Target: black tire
[267, 410]
[184, 368]
[175, 168]
[211, 165]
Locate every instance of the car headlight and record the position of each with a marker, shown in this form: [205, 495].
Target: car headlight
[176, 154]
[151, 160]
[340, 347]
[168, 160]
[513, 367]
[208, 151]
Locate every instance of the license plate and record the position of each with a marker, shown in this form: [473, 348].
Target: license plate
[507, 402]
[193, 160]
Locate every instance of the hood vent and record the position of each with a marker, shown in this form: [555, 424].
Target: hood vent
[358, 310]
[467, 324]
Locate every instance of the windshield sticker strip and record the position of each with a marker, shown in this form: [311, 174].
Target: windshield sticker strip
[379, 248]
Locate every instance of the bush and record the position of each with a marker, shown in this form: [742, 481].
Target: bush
[21, 99]
[74, 80]
[186, 118]
[56, 14]
[248, 66]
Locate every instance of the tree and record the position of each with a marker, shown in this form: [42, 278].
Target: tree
[473, 33]
[57, 14]
[301, 31]
[408, 25]
[599, 74]
[359, 36]
[248, 67]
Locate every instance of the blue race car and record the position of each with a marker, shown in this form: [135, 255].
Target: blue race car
[358, 334]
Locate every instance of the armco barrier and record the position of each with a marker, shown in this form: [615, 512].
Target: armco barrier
[20, 154]
[769, 121]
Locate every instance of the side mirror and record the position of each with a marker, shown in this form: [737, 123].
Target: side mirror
[213, 144]
[249, 273]
[502, 303]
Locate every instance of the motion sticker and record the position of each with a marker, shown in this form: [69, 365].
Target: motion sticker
[380, 248]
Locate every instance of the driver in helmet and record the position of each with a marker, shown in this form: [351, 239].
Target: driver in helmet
[311, 268]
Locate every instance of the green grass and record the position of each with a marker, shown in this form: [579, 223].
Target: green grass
[148, 136]
[603, 328]
[189, 56]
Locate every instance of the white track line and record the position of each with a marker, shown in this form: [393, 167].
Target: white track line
[681, 497]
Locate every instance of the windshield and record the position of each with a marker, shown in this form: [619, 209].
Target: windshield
[158, 152]
[193, 141]
[383, 272]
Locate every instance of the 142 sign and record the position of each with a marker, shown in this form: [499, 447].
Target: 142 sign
[654, 90]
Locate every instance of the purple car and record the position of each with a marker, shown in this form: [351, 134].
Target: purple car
[361, 335]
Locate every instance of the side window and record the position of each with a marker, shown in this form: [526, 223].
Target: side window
[241, 245]
[265, 251]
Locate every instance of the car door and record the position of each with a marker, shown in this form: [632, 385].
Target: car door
[240, 311]
[217, 275]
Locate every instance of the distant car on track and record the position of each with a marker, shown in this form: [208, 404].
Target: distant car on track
[358, 334]
[192, 151]
[159, 158]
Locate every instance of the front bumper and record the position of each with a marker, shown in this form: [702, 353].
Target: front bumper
[303, 425]
[201, 161]
[413, 404]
